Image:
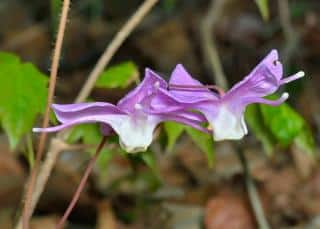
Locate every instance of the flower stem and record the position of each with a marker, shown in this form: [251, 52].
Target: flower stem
[252, 192]
[82, 184]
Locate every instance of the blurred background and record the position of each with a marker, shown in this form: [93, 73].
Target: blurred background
[177, 189]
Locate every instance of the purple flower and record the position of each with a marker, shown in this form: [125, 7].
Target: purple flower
[225, 111]
[133, 118]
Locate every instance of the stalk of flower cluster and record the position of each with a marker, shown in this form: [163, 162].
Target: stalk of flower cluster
[252, 192]
[53, 76]
[82, 184]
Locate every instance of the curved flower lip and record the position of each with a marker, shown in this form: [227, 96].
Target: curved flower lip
[133, 119]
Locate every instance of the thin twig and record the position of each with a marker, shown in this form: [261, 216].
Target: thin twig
[253, 193]
[209, 48]
[51, 156]
[52, 83]
[56, 146]
[82, 184]
[291, 37]
[284, 15]
[115, 44]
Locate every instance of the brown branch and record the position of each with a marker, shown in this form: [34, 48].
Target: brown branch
[115, 44]
[56, 146]
[82, 184]
[291, 37]
[52, 83]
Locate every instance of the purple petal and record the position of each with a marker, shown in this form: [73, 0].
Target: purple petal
[69, 112]
[277, 102]
[263, 80]
[150, 84]
[62, 126]
[184, 120]
[181, 77]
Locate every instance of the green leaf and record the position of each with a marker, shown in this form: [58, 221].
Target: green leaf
[204, 142]
[89, 133]
[256, 123]
[283, 122]
[173, 131]
[169, 5]
[263, 8]
[118, 76]
[103, 160]
[279, 125]
[23, 95]
[150, 160]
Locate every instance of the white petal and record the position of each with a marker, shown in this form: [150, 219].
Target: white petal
[228, 125]
[135, 131]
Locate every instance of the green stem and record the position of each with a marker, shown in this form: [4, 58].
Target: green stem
[253, 193]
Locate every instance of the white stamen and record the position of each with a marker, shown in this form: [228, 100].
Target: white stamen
[296, 76]
[157, 84]
[285, 95]
[300, 74]
[137, 106]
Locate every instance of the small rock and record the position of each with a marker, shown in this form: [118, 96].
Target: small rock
[228, 211]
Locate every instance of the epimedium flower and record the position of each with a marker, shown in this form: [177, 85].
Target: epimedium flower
[225, 111]
[133, 119]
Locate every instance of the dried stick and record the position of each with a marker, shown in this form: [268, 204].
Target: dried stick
[56, 146]
[253, 193]
[291, 37]
[51, 156]
[82, 184]
[209, 48]
[52, 83]
[115, 44]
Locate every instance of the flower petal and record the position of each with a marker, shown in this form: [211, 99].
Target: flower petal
[146, 88]
[226, 123]
[69, 112]
[181, 77]
[135, 131]
[185, 120]
[263, 80]
[277, 102]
